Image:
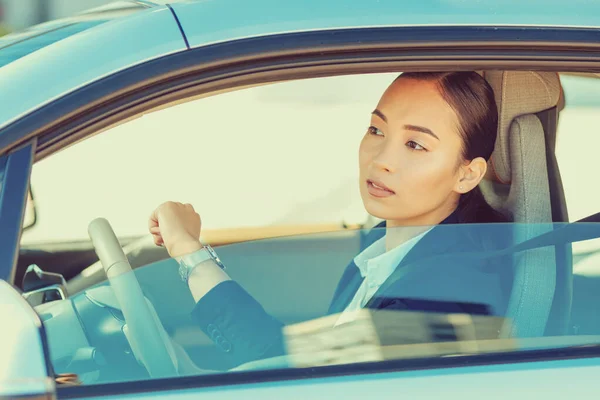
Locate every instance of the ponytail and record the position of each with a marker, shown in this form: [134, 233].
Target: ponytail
[473, 208]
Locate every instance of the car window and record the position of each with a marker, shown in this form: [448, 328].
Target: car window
[273, 172]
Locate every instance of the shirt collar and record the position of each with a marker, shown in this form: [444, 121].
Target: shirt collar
[377, 264]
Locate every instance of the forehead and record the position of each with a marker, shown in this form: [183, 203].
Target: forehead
[417, 102]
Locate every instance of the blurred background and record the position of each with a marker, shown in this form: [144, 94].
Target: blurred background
[16, 15]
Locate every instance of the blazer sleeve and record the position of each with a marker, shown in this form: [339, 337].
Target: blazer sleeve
[238, 324]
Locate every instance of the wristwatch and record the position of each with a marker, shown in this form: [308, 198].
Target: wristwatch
[190, 261]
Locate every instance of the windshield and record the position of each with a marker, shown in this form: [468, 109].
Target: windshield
[312, 301]
[11, 49]
[21, 43]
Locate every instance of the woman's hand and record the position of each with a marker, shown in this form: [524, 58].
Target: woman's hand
[176, 226]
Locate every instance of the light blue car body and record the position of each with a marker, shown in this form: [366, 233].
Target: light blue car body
[39, 78]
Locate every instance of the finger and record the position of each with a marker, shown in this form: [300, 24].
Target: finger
[157, 237]
[158, 240]
[155, 230]
[153, 220]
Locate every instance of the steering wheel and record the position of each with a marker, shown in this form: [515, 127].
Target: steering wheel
[144, 331]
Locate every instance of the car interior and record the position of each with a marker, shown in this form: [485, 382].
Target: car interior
[551, 290]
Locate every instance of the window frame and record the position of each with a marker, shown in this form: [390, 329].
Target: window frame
[570, 357]
[15, 171]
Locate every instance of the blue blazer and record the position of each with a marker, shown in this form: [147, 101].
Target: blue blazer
[240, 326]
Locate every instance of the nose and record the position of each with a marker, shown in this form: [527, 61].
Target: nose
[386, 158]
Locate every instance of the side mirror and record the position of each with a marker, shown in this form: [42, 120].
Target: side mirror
[41, 287]
[30, 217]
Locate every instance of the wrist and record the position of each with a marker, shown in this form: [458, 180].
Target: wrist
[182, 248]
[196, 271]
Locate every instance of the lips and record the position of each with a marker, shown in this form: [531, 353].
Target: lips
[378, 189]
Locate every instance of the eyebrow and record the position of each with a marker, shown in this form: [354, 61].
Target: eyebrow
[380, 115]
[415, 128]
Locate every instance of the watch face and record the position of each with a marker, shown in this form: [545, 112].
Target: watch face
[214, 256]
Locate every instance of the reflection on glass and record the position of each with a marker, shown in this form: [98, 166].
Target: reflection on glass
[440, 304]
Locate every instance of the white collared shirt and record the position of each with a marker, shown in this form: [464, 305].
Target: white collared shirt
[375, 265]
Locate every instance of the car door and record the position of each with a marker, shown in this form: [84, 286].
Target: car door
[510, 372]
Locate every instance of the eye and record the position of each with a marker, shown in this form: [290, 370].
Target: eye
[415, 146]
[374, 131]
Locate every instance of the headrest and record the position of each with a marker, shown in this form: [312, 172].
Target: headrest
[518, 93]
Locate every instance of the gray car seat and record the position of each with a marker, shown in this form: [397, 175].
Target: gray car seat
[518, 184]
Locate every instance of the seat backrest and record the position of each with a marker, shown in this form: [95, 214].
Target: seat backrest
[517, 184]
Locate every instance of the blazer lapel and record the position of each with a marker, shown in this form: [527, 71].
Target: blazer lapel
[349, 285]
[351, 279]
[438, 241]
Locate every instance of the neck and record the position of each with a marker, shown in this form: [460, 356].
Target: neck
[398, 232]
[395, 236]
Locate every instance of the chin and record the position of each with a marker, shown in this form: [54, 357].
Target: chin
[380, 211]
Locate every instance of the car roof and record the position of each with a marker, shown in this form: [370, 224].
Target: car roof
[230, 19]
[206, 22]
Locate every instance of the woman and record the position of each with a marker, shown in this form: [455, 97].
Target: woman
[420, 161]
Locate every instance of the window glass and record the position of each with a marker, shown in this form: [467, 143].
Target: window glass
[284, 313]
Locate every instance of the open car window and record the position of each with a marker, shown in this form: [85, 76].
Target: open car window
[273, 172]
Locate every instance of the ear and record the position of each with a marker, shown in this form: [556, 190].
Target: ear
[470, 175]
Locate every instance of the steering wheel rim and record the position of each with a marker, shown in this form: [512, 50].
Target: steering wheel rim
[144, 331]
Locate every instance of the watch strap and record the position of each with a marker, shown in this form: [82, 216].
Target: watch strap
[190, 261]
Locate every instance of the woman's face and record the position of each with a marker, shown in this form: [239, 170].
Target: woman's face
[410, 156]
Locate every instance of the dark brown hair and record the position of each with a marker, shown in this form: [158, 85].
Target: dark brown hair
[472, 99]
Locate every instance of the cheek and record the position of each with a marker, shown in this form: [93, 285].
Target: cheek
[429, 175]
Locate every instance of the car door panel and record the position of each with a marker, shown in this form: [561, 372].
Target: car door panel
[527, 380]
